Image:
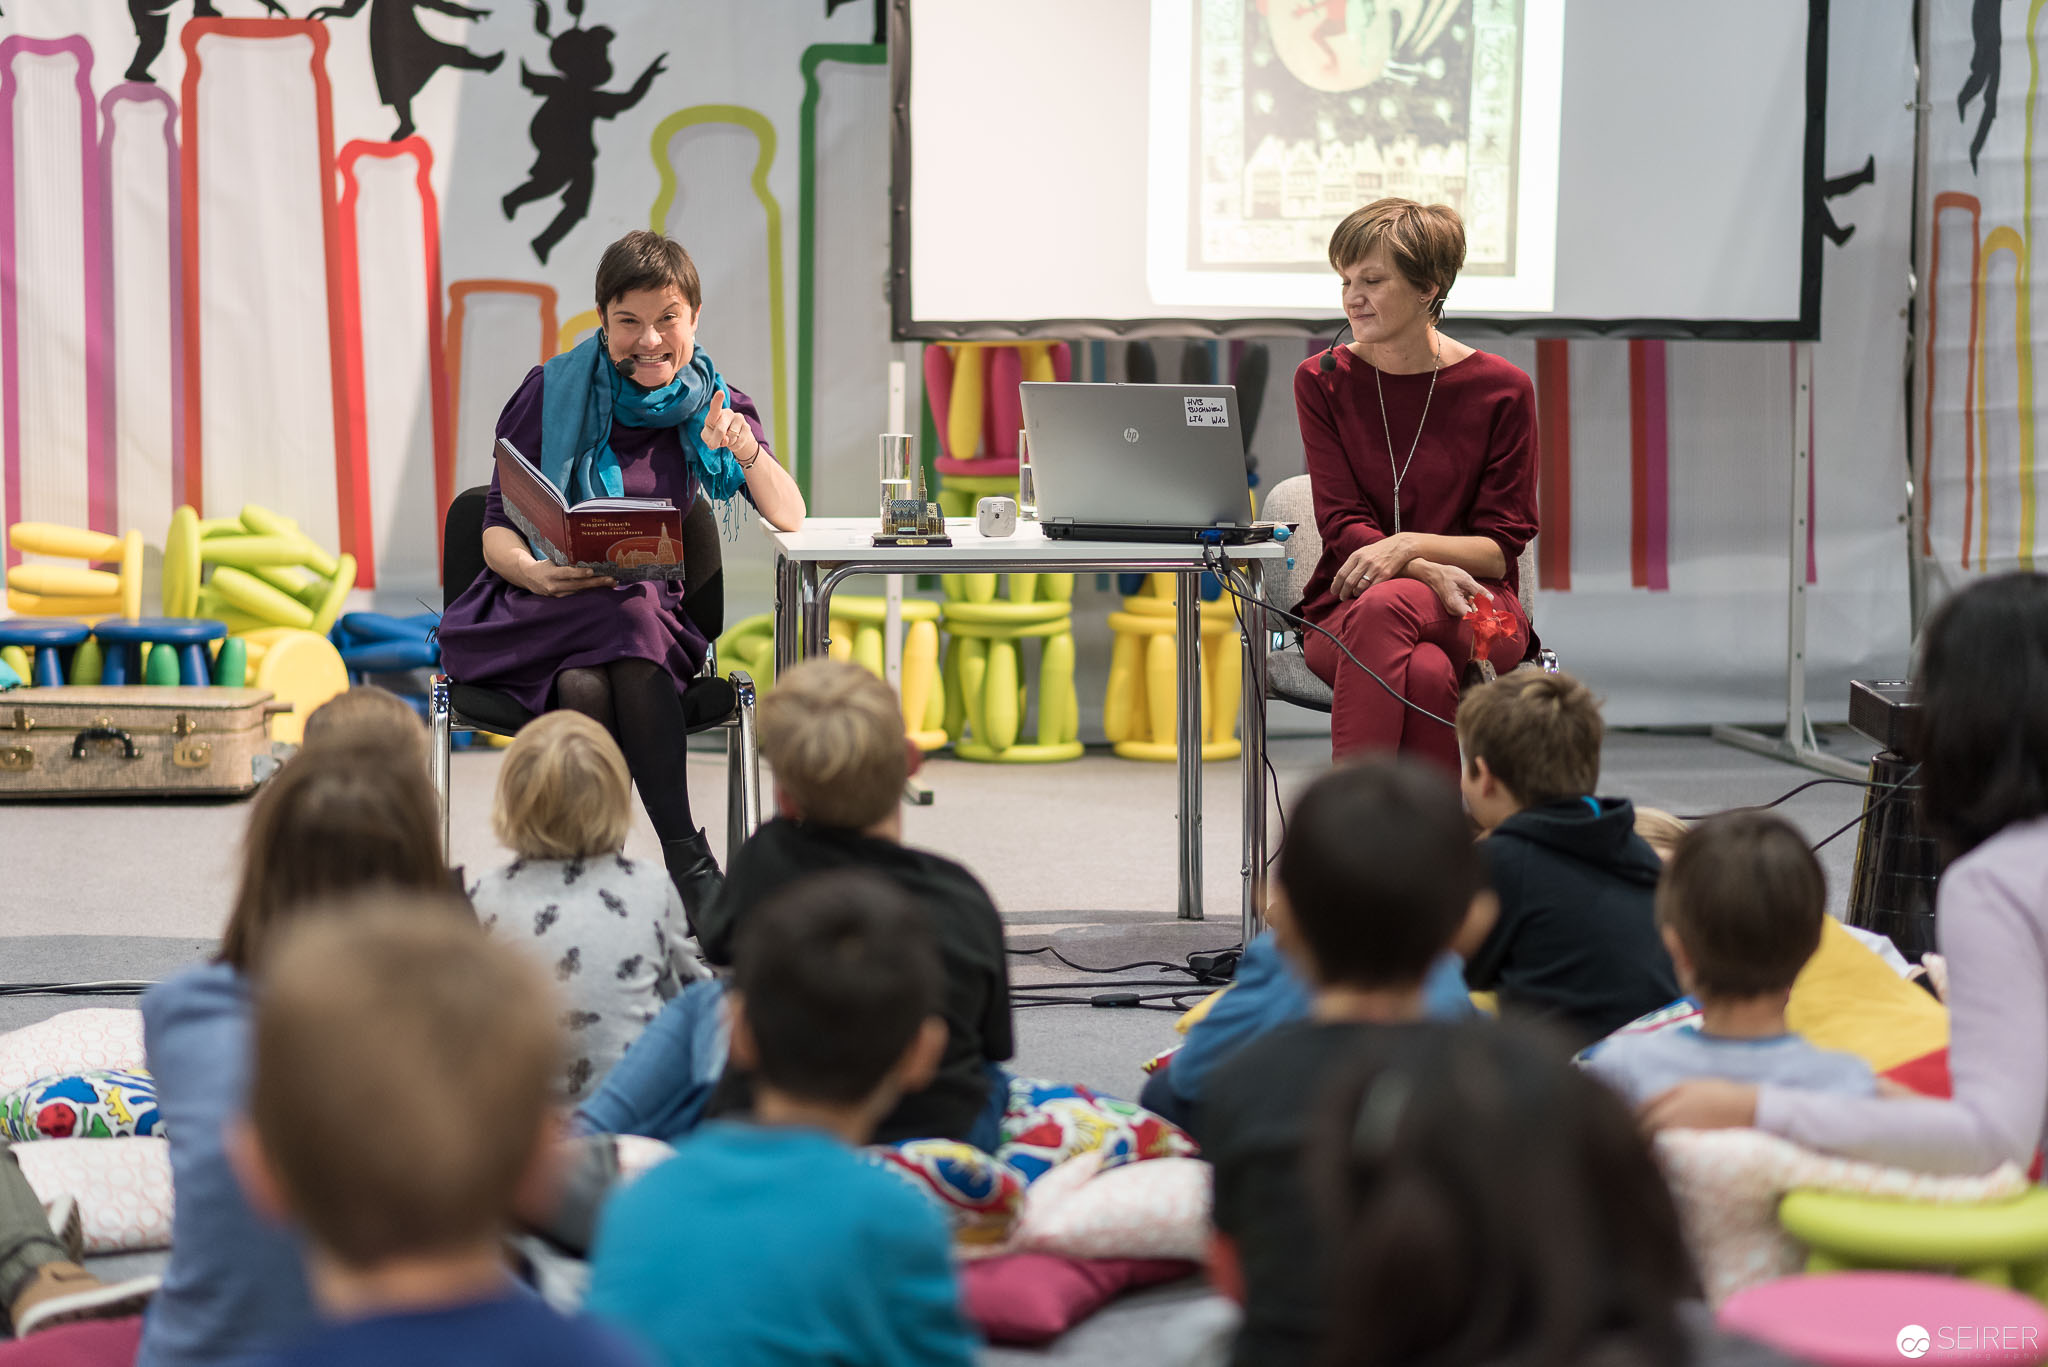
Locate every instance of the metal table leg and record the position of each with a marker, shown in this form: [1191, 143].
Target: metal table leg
[1253, 725]
[811, 612]
[1188, 737]
[787, 588]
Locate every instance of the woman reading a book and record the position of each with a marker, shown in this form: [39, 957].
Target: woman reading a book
[639, 410]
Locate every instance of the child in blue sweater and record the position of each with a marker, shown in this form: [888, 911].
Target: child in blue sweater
[769, 1240]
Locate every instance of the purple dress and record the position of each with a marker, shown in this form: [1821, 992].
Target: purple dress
[497, 635]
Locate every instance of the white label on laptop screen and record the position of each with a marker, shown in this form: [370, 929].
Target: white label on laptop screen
[1206, 412]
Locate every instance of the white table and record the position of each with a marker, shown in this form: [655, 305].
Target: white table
[812, 562]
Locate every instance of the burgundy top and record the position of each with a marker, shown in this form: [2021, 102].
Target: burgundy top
[1474, 472]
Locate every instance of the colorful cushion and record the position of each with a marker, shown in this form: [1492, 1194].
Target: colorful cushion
[1727, 1184]
[71, 1042]
[1848, 998]
[1085, 1208]
[1047, 1123]
[1031, 1298]
[123, 1187]
[982, 1196]
[107, 1104]
[88, 1343]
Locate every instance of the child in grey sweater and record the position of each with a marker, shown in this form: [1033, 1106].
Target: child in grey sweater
[610, 929]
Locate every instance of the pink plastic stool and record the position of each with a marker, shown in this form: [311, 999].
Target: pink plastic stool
[1881, 1319]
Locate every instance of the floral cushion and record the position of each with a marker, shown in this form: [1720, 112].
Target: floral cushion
[106, 1104]
[1047, 1123]
[981, 1195]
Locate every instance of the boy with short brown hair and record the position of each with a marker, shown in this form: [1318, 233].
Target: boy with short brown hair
[399, 1103]
[1576, 940]
[833, 735]
[1741, 909]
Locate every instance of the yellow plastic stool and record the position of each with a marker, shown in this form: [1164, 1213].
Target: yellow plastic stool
[1138, 709]
[298, 667]
[985, 691]
[857, 629]
[960, 495]
[2000, 1243]
[39, 590]
[749, 644]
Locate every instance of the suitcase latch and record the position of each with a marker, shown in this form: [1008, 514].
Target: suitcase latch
[22, 721]
[183, 726]
[192, 754]
[17, 759]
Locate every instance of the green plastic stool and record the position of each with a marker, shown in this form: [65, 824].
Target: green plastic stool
[1998, 1243]
[984, 672]
[959, 494]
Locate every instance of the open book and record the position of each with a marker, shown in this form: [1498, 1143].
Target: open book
[627, 538]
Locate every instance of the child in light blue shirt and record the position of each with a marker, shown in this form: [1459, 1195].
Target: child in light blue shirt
[1741, 908]
[770, 1241]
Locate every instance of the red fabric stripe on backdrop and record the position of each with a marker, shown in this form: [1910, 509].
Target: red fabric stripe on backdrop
[1649, 432]
[1554, 464]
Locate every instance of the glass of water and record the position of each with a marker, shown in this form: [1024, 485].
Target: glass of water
[897, 485]
[1027, 484]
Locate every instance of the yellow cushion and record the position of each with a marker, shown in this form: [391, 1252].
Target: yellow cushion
[1848, 998]
[1195, 1014]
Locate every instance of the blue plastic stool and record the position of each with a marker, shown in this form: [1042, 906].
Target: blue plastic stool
[45, 638]
[375, 643]
[124, 639]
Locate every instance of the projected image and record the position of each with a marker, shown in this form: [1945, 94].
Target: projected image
[1306, 110]
[1273, 119]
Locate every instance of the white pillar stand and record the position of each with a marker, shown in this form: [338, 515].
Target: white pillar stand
[1796, 744]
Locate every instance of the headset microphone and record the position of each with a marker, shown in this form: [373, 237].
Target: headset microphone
[624, 367]
[1329, 361]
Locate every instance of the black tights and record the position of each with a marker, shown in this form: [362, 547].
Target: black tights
[636, 700]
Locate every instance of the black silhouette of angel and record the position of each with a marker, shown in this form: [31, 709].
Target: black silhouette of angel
[152, 19]
[563, 131]
[405, 56]
[1836, 187]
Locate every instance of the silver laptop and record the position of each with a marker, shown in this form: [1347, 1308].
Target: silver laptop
[1138, 462]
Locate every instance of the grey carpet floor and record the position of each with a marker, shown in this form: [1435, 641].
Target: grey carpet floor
[1079, 856]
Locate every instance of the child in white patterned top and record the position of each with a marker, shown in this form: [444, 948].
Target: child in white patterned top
[611, 929]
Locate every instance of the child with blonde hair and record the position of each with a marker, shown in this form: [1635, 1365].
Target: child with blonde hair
[610, 929]
[366, 715]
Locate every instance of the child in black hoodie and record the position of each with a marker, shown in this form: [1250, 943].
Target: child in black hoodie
[1576, 939]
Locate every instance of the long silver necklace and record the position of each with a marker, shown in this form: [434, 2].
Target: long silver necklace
[1402, 473]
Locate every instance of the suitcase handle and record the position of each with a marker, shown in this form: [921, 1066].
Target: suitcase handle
[93, 733]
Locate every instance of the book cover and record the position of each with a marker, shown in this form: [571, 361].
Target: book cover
[628, 539]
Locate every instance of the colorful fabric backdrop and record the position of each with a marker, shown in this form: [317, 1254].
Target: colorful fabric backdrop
[255, 250]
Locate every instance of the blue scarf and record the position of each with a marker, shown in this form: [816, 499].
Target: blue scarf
[582, 394]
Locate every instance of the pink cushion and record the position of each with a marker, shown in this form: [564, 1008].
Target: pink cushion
[1036, 1297]
[1879, 1319]
[90, 1343]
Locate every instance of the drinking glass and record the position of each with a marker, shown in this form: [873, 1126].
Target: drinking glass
[1027, 483]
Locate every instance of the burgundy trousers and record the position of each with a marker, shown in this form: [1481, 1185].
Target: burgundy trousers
[1400, 630]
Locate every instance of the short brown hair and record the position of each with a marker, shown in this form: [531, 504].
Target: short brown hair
[1539, 733]
[1425, 242]
[1747, 900]
[340, 817]
[369, 716]
[833, 734]
[563, 791]
[444, 1041]
[642, 260]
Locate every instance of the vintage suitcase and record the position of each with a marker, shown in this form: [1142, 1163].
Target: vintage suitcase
[139, 740]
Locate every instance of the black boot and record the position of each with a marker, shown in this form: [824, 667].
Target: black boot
[695, 871]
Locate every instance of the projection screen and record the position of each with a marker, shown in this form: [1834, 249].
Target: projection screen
[1155, 167]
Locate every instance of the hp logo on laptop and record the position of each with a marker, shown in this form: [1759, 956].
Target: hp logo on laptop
[1130, 434]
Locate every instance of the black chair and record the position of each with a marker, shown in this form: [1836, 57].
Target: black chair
[709, 702]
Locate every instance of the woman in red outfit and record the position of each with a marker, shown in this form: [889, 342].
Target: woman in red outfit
[1422, 454]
